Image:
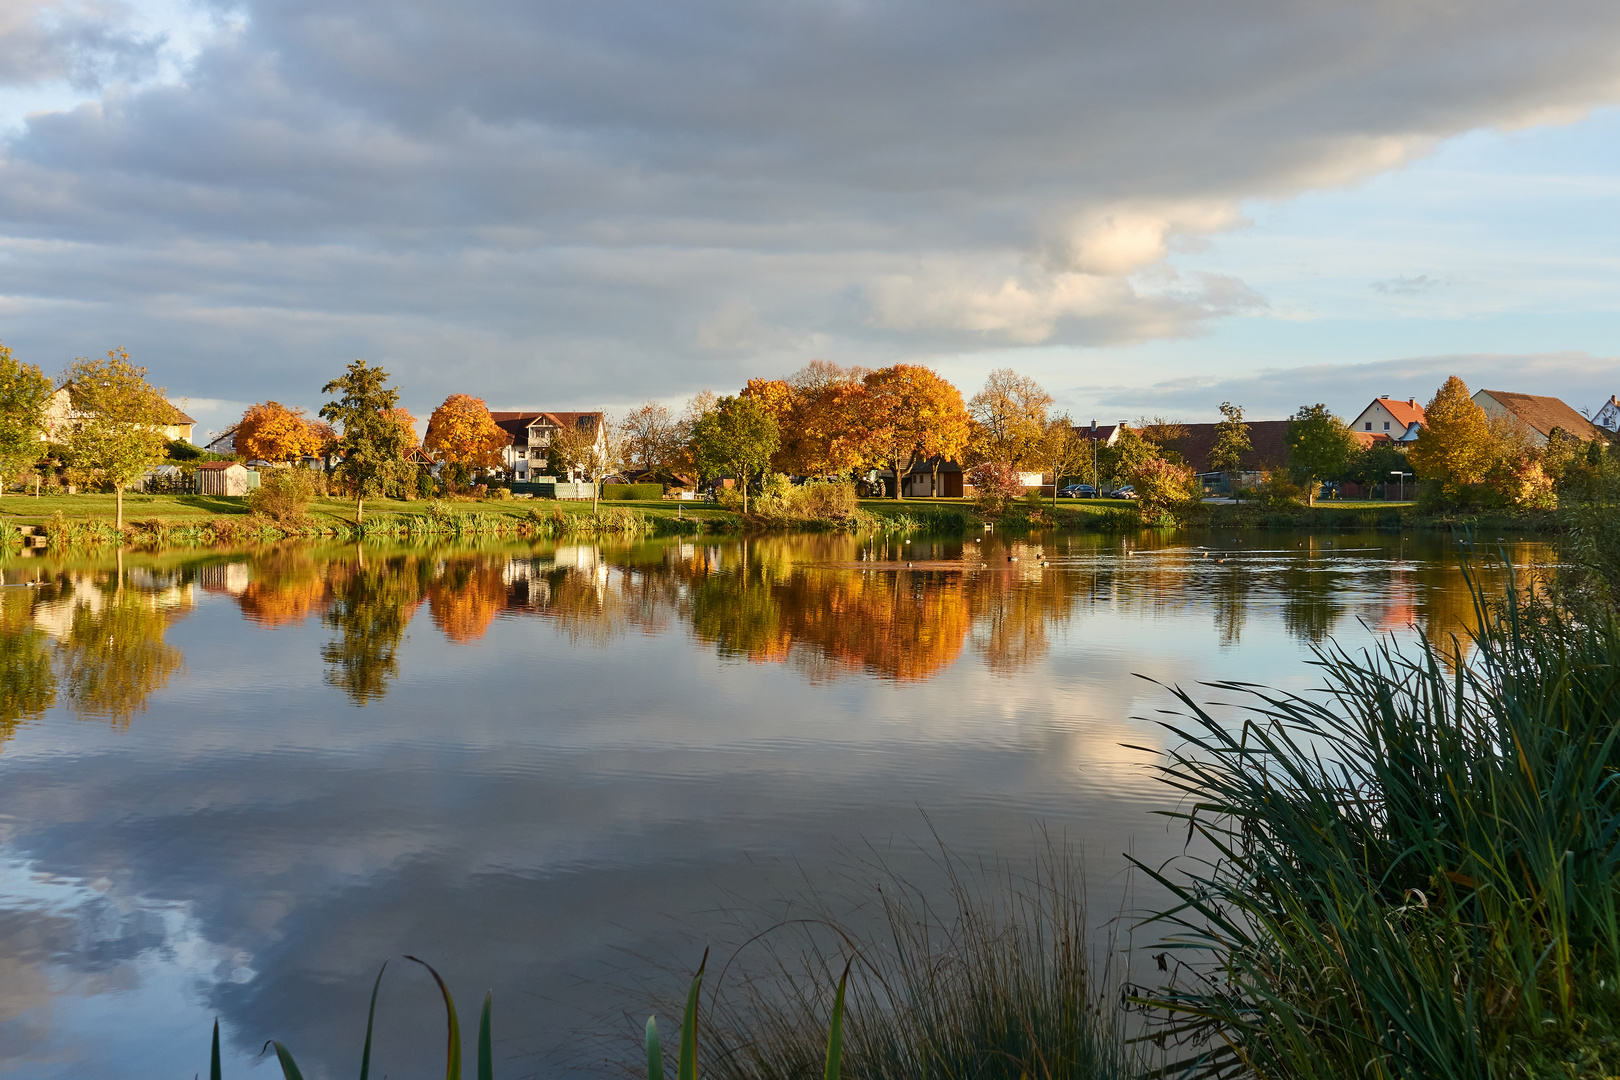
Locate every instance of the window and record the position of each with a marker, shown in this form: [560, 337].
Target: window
[1369, 425]
[1386, 425]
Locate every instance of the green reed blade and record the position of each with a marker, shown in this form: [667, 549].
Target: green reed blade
[289, 1070]
[452, 1057]
[835, 1030]
[655, 1052]
[365, 1055]
[688, 1059]
[214, 1071]
[486, 1056]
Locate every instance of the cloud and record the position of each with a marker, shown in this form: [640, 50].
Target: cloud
[532, 201]
[1584, 381]
[1407, 286]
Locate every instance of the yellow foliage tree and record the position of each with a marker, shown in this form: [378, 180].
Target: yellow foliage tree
[463, 434]
[272, 432]
[1455, 449]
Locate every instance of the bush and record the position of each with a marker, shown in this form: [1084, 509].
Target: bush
[638, 492]
[500, 494]
[424, 484]
[283, 494]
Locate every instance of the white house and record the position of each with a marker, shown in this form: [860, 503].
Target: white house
[1608, 417]
[59, 412]
[530, 435]
[1390, 418]
[1541, 415]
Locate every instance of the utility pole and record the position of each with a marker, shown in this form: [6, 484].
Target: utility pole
[1094, 491]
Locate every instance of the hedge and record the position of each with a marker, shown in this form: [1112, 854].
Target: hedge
[633, 491]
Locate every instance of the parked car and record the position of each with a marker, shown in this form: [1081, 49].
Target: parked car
[1126, 492]
[1077, 491]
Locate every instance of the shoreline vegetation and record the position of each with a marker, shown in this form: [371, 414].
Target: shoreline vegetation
[205, 520]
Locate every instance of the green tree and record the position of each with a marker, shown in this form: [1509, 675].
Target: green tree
[1374, 464]
[373, 443]
[738, 437]
[24, 391]
[116, 431]
[1319, 445]
[1130, 452]
[1231, 441]
[372, 605]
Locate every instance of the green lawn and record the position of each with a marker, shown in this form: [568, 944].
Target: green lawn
[96, 506]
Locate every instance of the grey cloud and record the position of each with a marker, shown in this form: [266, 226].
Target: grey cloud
[1408, 286]
[85, 44]
[568, 194]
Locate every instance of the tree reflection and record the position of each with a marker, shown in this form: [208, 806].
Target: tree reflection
[286, 587]
[27, 680]
[113, 656]
[465, 598]
[373, 600]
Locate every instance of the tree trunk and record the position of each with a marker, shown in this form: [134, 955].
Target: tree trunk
[933, 488]
[898, 481]
[359, 509]
[596, 495]
[118, 498]
[744, 482]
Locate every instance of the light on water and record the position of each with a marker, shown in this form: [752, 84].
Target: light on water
[233, 783]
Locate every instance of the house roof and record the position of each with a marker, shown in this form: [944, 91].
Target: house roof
[1268, 441]
[1406, 412]
[1544, 413]
[219, 466]
[1368, 438]
[1105, 432]
[516, 423]
[175, 416]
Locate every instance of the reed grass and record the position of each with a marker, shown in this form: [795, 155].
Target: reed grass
[1414, 873]
[992, 981]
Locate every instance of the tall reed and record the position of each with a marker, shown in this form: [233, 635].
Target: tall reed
[1414, 873]
[992, 980]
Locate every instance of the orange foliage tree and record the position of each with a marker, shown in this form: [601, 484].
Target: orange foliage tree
[272, 432]
[463, 434]
[1455, 448]
[907, 413]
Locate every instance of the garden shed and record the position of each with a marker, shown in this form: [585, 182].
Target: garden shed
[222, 478]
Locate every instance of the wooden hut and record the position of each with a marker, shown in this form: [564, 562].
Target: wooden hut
[222, 478]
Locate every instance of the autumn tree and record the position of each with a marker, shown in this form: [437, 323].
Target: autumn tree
[1231, 442]
[1131, 450]
[592, 446]
[1320, 446]
[1454, 449]
[116, 431]
[652, 438]
[909, 413]
[272, 432]
[24, 393]
[1009, 417]
[373, 440]
[464, 436]
[1061, 449]
[738, 438]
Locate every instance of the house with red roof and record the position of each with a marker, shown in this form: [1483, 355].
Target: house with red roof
[530, 435]
[1540, 415]
[1389, 418]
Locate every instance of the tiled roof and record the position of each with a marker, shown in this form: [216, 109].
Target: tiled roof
[1268, 441]
[515, 423]
[176, 416]
[1544, 413]
[213, 466]
[1405, 412]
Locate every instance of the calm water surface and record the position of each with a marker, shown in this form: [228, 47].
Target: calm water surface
[233, 784]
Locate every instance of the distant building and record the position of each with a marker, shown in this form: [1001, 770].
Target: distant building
[59, 412]
[530, 435]
[1390, 418]
[224, 442]
[1541, 415]
[1608, 417]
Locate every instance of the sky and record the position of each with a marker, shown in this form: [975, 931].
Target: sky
[1150, 207]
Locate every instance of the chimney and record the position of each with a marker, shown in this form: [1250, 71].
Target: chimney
[1124, 423]
[1412, 401]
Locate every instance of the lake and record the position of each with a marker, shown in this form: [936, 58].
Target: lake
[233, 783]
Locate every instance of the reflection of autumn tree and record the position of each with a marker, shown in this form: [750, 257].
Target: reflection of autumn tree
[27, 681]
[466, 597]
[737, 613]
[287, 586]
[373, 600]
[1310, 608]
[114, 656]
[1012, 616]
